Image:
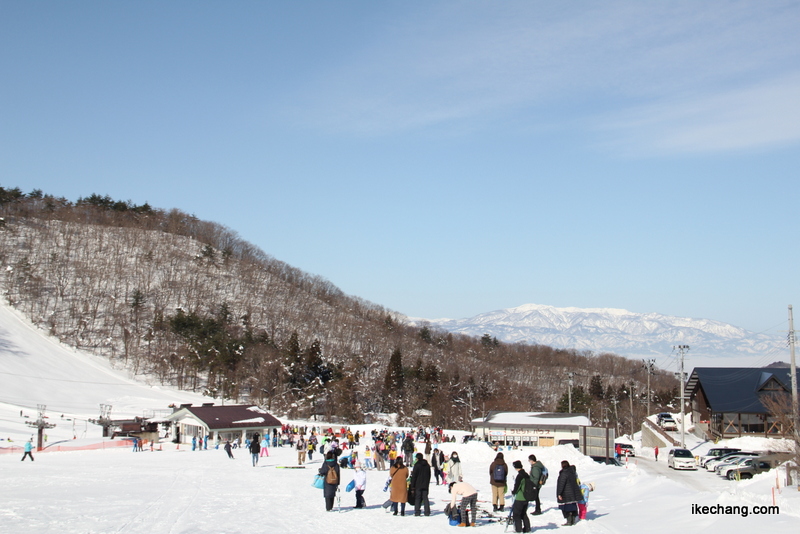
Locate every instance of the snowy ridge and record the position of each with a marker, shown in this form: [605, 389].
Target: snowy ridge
[613, 330]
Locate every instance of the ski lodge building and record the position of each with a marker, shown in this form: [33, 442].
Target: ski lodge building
[727, 401]
[536, 429]
[221, 423]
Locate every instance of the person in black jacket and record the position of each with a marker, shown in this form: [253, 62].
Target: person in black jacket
[568, 492]
[329, 489]
[255, 450]
[420, 481]
[437, 462]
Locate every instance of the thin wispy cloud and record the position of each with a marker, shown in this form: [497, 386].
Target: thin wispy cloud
[766, 114]
[632, 65]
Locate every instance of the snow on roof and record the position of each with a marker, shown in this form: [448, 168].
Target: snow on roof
[532, 419]
[249, 421]
[230, 416]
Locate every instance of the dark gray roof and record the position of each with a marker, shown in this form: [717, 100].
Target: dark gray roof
[231, 416]
[736, 389]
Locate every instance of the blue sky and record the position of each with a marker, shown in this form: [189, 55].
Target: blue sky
[442, 159]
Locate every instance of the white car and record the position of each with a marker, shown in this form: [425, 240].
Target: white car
[712, 463]
[681, 459]
[669, 424]
[715, 453]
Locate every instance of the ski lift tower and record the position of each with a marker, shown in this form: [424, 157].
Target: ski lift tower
[40, 425]
[104, 420]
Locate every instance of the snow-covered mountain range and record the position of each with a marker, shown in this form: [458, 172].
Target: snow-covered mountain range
[619, 331]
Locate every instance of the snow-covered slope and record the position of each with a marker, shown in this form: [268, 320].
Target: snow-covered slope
[614, 330]
[36, 369]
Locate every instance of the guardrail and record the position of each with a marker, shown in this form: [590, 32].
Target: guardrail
[658, 430]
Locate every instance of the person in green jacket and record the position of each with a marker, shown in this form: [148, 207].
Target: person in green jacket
[520, 507]
[537, 472]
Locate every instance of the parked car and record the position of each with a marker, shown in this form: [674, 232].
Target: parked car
[724, 461]
[662, 416]
[626, 449]
[681, 459]
[713, 462]
[668, 423]
[723, 468]
[750, 467]
[716, 453]
[753, 466]
[574, 442]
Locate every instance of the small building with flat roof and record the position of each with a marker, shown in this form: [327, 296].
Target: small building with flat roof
[536, 429]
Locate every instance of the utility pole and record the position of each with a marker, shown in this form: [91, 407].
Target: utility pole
[682, 349]
[630, 398]
[649, 365]
[41, 425]
[570, 392]
[616, 415]
[793, 370]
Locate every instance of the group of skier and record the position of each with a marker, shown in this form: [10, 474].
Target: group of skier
[409, 481]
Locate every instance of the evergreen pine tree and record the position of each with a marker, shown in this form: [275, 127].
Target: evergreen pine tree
[294, 363]
[394, 382]
[596, 388]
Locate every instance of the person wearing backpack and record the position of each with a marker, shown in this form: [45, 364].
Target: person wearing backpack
[522, 492]
[498, 477]
[331, 474]
[538, 477]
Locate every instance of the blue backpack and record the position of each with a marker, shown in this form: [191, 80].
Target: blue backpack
[499, 474]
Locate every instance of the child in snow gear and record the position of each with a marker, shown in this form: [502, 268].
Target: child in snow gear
[583, 504]
[360, 479]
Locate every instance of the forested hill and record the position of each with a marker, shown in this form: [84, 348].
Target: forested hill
[187, 302]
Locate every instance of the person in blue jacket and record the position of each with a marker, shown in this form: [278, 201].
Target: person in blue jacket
[28, 450]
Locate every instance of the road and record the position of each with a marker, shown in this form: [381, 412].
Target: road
[700, 480]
